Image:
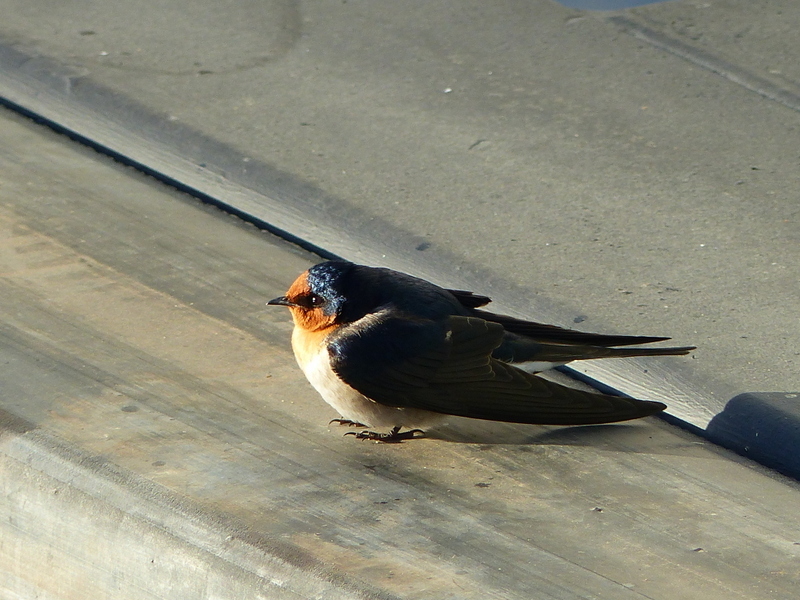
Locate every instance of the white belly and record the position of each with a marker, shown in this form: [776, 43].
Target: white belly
[354, 406]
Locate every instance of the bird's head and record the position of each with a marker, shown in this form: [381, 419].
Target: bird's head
[340, 292]
[317, 297]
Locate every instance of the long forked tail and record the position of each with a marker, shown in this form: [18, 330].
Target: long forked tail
[518, 349]
[542, 332]
[595, 352]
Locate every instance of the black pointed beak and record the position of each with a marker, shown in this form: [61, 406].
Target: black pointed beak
[281, 301]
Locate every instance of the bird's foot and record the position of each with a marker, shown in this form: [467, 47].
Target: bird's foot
[347, 422]
[393, 437]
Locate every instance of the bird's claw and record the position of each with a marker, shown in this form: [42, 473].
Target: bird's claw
[346, 422]
[393, 437]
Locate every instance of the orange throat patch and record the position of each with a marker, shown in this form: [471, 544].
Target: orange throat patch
[308, 344]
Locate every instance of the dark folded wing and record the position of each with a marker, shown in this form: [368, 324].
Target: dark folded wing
[448, 368]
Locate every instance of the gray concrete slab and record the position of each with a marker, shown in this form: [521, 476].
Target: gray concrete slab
[759, 37]
[558, 160]
[157, 441]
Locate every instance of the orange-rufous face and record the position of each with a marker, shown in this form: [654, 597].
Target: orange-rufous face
[304, 312]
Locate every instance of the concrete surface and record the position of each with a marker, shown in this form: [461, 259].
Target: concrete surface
[764, 427]
[157, 440]
[630, 173]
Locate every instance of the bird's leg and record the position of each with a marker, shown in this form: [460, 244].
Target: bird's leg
[348, 422]
[393, 437]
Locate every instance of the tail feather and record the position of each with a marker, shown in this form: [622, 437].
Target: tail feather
[559, 335]
[552, 351]
[518, 349]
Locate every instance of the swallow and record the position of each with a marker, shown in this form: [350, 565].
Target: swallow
[391, 351]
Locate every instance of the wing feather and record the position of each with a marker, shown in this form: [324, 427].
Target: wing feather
[448, 368]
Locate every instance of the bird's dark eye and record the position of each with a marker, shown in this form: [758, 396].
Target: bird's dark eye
[309, 301]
